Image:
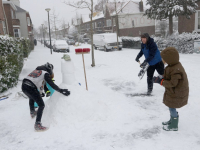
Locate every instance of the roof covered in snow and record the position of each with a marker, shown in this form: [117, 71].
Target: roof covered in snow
[129, 7]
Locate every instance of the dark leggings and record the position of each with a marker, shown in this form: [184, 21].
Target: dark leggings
[159, 67]
[34, 96]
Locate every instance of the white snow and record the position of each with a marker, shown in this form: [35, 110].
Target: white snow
[103, 118]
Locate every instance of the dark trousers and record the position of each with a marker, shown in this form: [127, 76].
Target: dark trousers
[159, 67]
[34, 96]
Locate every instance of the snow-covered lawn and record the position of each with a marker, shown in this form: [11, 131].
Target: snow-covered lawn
[103, 118]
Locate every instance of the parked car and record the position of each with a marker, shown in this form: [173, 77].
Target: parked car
[70, 41]
[60, 46]
[89, 41]
[107, 41]
[86, 40]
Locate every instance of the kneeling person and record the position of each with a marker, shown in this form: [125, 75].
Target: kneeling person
[33, 86]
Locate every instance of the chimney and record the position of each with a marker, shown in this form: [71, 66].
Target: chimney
[141, 7]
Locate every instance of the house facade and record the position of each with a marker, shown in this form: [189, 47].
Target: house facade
[12, 21]
[132, 22]
[126, 17]
[26, 26]
[190, 25]
[3, 30]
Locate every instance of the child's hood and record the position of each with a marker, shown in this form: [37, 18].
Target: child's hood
[170, 56]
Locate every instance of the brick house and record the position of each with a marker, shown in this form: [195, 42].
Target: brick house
[13, 22]
[190, 25]
[131, 21]
[3, 29]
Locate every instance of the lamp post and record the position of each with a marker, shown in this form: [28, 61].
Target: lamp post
[48, 9]
[43, 34]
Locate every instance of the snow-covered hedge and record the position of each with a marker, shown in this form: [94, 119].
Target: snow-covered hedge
[131, 42]
[184, 42]
[12, 54]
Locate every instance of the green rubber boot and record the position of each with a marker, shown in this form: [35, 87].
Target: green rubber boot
[173, 126]
[167, 122]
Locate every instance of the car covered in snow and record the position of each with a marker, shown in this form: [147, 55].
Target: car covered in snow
[60, 46]
[70, 41]
[107, 41]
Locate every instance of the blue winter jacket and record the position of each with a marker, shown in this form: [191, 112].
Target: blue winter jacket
[151, 52]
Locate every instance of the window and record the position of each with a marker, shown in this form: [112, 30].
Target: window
[114, 23]
[99, 24]
[93, 25]
[13, 14]
[133, 24]
[88, 26]
[96, 24]
[4, 27]
[16, 33]
[109, 23]
[28, 21]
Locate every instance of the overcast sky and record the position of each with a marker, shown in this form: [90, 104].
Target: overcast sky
[36, 8]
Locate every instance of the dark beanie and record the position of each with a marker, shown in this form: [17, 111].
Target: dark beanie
[145, 35]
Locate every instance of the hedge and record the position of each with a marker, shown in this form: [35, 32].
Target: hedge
[12, 54]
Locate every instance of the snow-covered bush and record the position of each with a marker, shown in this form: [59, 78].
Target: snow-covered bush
[12, 54]
[184, 42]
[131, 42]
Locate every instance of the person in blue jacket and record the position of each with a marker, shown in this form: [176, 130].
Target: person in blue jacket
[152, 57]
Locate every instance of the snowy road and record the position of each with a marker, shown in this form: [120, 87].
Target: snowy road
[103, 118]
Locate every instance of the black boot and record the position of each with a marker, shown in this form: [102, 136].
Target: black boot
[38, 127]
[150, 85]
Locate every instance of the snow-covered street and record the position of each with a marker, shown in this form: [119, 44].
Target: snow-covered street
[104, 117]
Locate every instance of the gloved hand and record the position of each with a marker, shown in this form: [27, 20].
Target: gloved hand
[143, 64]
[65, 92]
[137, 59]
[158, 80]
[42, 95]
[48, 94]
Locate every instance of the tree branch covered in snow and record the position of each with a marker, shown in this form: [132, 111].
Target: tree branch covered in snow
[162, 9]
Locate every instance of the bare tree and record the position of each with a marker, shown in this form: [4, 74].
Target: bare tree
[54, 21]
[116, 19]
[100, 5]
[85, 4]
[65, 28]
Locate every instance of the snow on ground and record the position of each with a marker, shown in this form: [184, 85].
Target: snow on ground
[103, 118]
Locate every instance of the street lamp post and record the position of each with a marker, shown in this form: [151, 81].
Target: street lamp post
[43, 34]
[48, 9]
